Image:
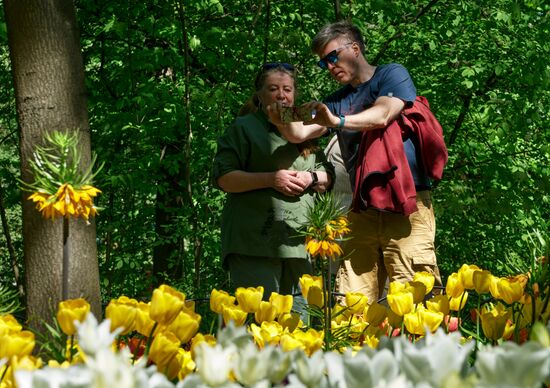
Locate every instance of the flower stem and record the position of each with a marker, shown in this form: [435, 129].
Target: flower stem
[65, 280]
[4, 373]
[325, 270]
[150, 340]
[71, 344]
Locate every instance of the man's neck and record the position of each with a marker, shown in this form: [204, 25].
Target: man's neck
[364, 72]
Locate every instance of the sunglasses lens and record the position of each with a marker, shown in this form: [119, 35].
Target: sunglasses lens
[331, 57]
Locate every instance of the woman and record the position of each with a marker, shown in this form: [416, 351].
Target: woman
[270, 184]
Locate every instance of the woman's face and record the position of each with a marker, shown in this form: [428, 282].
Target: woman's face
[278, 87]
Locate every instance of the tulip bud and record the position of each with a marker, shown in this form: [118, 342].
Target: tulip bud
[185, 326]
[69, 311]
[249, 298]
[266, 312]
[454, 286]
[144, 323]
[482, 281]
[426, 278]
[8, 325]
[164, 346]
[219, 299]
[19, 344]
[356, 302]
[166, 304]
[401, 303]
[122, 313]
[235, 314]
[282, 303]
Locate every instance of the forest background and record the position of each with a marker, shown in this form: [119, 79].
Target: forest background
[164, 78]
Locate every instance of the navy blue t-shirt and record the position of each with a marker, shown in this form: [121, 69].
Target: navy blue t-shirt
[391, 80]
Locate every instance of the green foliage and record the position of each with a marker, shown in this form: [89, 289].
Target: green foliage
[9, 300]
[165, 79]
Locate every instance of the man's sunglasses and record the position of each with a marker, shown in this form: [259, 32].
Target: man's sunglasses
[275, 65]
[332, 57]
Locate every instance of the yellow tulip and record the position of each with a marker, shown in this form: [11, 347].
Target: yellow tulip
[166, 304]
[179, 366]
[189, 307]
[288, 343]
[122, 313]
[418, 289]
[454, 286]
[26, 363]
[493, 320]
[282, 303]
[356, 302]
[8, 324]
[185, 326]
[371, 341]
[416, 322]
[315, 296]
[249, 298]
[511, 289]
[493, 287]
[144, 323]
[200, 338]
[69, 311]
[426, 278]
[18, 344]
[266, 312]
[482, 281]
[289, 321]
[311, 339]
[458, 303]
[376, 313]
[439, 304]
[220, 298]
[235, 314]
[508, 330]
[341, 313]
[465, 274]
[267, 333]
[401, 302]
[165, 345]
[396, 287]
[307, 281]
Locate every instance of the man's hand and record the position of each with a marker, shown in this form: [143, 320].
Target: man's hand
[323, 115]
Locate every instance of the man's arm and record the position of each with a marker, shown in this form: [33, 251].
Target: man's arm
[379, 115]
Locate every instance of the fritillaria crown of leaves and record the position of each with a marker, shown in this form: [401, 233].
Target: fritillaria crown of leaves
[61, 188]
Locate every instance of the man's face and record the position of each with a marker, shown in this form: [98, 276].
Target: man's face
[340, 59]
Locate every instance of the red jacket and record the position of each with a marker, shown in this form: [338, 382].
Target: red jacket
[383, 179]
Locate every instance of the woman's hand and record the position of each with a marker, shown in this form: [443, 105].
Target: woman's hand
[291, 183]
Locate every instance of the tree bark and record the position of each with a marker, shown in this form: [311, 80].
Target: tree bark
[48, 76]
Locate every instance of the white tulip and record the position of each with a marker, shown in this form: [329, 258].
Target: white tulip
[214, 363]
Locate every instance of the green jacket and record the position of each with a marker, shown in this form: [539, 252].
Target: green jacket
[263, 222]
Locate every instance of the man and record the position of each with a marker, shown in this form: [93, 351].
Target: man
[387, 240]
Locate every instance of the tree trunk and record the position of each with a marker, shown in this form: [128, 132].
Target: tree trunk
[50, 95]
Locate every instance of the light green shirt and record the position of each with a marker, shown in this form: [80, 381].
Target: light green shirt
[263, 222]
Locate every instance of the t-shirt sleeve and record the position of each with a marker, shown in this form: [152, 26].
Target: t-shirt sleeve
[397, 82]
[231, 154]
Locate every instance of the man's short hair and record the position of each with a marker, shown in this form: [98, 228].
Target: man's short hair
[336, 30]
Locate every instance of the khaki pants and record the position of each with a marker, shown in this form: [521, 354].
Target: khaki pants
[387, 245]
